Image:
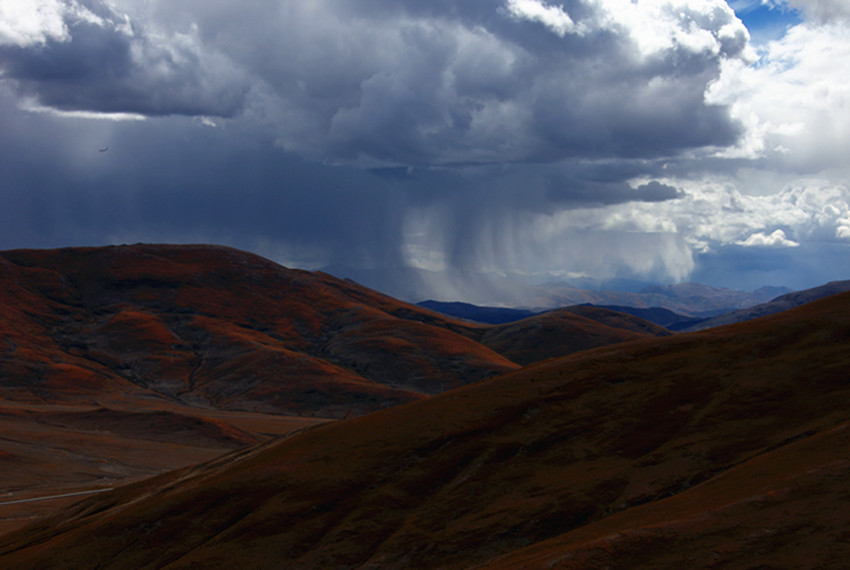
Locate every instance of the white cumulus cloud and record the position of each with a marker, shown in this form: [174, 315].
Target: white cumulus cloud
[32, 22]
[761, 239]
[795, 103]
[553, 17]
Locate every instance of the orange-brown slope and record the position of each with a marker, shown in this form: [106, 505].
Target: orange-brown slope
[122, 362]
[216, 327]
[485, 470]
[51, 449]
[786, 508]
[564, 331]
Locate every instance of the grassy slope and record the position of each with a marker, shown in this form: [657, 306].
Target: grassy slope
[123, 362]
[656, 432]
[565, 331]
[220, 328]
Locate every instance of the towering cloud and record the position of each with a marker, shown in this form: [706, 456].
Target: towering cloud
[532, 136]
[358, 82]
[86, 57]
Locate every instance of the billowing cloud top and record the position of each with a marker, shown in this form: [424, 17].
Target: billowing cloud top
[88, 57]
[533, 136]
[394, 82]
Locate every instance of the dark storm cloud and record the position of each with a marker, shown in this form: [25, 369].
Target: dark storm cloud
[456, 93]
[483, 135]
[225, 185]
[402, 83]
[231, 185]
[592, 192]
[108, 64]
[747, 269]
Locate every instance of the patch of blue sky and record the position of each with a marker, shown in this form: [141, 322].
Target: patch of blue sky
[766, 20]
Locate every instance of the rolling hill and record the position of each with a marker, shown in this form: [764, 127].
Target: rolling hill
[120, 363]
[219, 328]
[723, 448]
[124, 362]
[564, 331]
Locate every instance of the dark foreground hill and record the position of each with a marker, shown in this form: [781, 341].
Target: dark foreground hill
[119, 363]
[725, 448]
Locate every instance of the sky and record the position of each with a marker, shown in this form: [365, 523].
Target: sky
[451, 143]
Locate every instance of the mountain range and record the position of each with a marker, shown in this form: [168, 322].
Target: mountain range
[657, 315]
[779, 304]
[576, 438]
[693, 300]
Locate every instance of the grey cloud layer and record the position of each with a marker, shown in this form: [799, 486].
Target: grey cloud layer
[604, 137]
[823, 10]
[105, 62]
[433, 86]
[376, 82]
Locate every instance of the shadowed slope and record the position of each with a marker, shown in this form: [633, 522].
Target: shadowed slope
[565, 331]
[123, 362]
[54, 449]
[489, 469]
[783, 509]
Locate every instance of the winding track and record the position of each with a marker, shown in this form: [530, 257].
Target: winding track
[48, 497]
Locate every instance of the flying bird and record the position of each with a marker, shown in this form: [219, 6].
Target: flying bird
[103, 149]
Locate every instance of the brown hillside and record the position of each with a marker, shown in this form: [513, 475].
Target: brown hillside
[52, 449]
[216, 327]
[120, 363]
[783, 509]
[565, 331]
[722, 445]
[124, 362]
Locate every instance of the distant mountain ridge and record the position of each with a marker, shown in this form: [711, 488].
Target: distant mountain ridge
[560, 332]
[692, 300]
[659, 315]
[779, 304]
[662, 317]
[502, 315]
[688, 299]
[479, 314]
